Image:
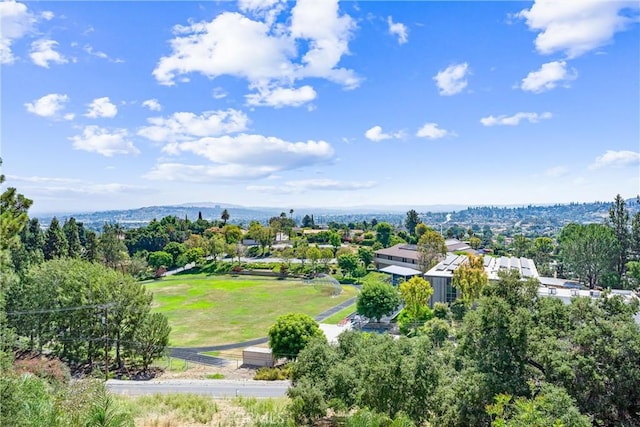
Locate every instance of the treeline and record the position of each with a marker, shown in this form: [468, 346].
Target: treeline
[64, 293]
[512, 360]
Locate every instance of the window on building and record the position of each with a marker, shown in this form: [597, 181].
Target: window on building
[451, 293]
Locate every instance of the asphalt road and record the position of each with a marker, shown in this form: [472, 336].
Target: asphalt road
[213, 388]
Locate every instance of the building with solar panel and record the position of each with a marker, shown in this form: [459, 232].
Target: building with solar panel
[441, 275]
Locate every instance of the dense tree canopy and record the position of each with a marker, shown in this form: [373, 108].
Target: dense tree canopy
[291, 333]
[589, 251]
[378, 299]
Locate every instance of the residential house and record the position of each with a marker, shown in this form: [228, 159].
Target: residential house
[401, 255]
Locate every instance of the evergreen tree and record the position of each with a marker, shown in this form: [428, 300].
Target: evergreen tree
[55, 242]
[619, 223]
[70, 228]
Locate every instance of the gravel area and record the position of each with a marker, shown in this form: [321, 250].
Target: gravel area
[203, 372]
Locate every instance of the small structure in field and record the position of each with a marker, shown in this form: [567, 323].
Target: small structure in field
[257, 356]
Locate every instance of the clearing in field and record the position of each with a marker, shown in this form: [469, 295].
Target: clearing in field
[210, 310]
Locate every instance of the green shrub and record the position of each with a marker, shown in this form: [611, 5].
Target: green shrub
[307, 402]
[273, 374]
[441, 311]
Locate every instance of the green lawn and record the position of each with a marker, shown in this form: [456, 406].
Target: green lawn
[210, 310]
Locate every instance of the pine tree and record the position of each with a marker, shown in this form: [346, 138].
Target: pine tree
[55, 242]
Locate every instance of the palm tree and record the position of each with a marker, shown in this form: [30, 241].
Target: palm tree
[225, 217]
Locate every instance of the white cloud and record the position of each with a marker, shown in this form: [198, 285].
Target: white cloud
[452, 79]
[43, 52]
[206, 173]
[52, 185]
[15, 21]
[576, 27]
[49, 106]
[399, 30]
[282, 97]
[257, 5]
[266, 9]
[556, 171]
[268, 55]
[152, 104]
[99, 54]
[376, 134]
[548, 77]
[432, 131]
[616, 159]
[102, 107]
[514, 120]
[218, 93]
[257, 151]
[302, 186]
[49, 185]
[185, 126]
[105, 142]
[47, 15]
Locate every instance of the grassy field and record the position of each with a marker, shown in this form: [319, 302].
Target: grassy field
[210, 310]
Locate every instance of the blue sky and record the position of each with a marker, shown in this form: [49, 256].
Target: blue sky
[109, 105]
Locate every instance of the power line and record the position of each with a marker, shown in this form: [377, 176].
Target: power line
[61, 309]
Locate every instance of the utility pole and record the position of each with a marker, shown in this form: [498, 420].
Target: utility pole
[106, 343]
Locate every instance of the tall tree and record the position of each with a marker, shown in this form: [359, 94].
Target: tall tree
[335, 241]
[365, 255]
[521, 246]
[70, 228]
[377, 299]
[112, 248]
[384, 231]
[91, 252]
[348, 263]
[416, 293]
[635, 234]
[470, 278]
[619, 223]
[225, 217]
[13, 214]
[314, 254]
[542, 250]
[431, 248]
[152, 338]
[411, 221]
[55, 242]
[589, 251]
[307, 222]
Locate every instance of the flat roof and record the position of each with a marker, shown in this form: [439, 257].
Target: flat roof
[401, 250]
[492, 266]
[263, 350]
[400, 271]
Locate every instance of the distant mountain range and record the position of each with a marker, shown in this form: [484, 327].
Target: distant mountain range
[430, 214]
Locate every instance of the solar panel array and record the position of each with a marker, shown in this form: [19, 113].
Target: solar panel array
[492, 265]
[451, 263]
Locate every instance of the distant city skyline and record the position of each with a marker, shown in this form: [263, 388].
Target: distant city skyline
[118, 105]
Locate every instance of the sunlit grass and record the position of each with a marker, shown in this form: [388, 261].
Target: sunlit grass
[209, 310]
